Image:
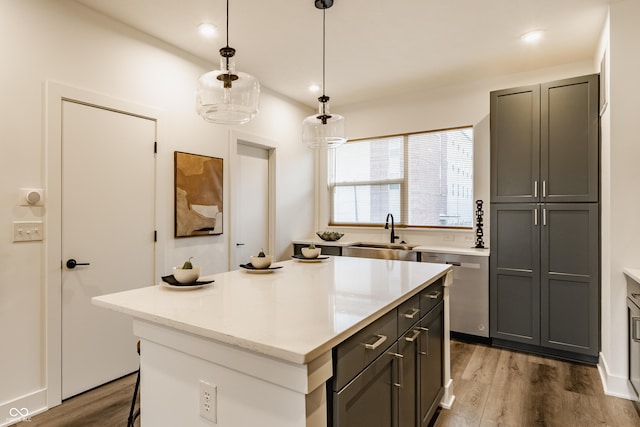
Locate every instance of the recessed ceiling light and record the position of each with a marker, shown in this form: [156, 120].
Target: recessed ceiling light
[207, 30]
[314, 87]
[532, 36]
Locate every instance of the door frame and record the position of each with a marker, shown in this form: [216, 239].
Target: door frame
[55, 94]
[236, 137]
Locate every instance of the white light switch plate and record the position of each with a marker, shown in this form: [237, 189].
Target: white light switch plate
[27, 231]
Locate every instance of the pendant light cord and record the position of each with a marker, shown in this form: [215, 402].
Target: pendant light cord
[324, 25]
[227, 23]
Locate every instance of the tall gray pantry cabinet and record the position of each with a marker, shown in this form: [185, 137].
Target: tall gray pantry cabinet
[545, 247]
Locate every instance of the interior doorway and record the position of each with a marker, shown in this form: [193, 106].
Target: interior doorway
[101, 185]
[253, 198]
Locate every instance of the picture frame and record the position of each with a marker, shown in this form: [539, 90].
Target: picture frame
[198, 207]
[603, 83]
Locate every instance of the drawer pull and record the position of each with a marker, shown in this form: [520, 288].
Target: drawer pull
[413, 313]
[413, 337]
[454, 263]
[398, 358]
[433, 295]
[378, 343]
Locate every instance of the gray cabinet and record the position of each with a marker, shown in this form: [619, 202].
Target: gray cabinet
[545, 142]
[545, 276]
[544, 264]
[383, 381]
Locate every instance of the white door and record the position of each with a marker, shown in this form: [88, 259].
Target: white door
[108, 222]
[252, 207]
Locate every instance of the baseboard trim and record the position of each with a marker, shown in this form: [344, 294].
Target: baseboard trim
[614, 385]
[23, 408]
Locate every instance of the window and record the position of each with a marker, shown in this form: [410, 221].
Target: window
[424, 179]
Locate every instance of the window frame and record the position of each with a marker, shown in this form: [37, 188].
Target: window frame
[404, 190]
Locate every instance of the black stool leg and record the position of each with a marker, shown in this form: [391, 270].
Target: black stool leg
[132, 415]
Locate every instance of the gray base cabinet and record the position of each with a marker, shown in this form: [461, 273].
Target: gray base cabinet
[545, 250]
[326, 249]
[545, 275]
[391, 372]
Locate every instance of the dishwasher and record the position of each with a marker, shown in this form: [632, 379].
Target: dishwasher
[468, 294]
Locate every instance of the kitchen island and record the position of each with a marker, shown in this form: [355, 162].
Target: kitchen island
[261, 344]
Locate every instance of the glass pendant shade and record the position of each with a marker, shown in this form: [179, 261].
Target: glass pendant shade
[323, 130]
[227, 97]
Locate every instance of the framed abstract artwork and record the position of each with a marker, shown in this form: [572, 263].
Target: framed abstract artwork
[198, 195]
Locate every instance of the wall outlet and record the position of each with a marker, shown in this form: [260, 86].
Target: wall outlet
[208, 402]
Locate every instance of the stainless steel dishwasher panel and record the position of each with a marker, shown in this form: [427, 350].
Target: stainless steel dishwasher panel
[469, 293]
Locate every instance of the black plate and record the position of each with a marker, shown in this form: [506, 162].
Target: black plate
[250, 266]
[309, 259]
[172, 281]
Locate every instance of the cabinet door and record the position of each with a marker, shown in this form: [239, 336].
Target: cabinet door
[570, 277]
[514, 277]
[430, 361]
[371, 398]
[515, 144]
[569, 140]
[408, 393]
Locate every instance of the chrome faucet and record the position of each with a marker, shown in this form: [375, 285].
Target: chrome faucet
[393, 230]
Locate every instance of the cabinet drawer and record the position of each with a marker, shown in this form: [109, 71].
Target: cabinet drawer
[354, 354]
[431, 296]
[409, 313]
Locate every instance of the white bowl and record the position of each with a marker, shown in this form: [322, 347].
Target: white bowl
[188, 275]
[261, 261]
[311, 253]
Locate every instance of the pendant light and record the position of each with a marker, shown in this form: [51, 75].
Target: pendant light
[323, 130]
[227, 96]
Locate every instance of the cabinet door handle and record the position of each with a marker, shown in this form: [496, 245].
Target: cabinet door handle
[378, 343]
[635, 322]
[544, 217]
[412, 314]
[398, 358]
[412, 338]
[535, 189]
[544, 188]
[426, 336]
[535, 217]
[433, 295]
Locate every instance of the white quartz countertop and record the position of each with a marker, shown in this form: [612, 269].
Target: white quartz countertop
[633, 273]
[456, 250]
[295, 314]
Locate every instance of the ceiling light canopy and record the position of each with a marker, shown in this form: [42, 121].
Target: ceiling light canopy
[323, 130]
[227, 96]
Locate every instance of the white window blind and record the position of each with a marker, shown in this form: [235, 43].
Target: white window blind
[424, 179]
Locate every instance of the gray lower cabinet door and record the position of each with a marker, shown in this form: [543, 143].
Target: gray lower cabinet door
[409, 391]
[570, 277]
[514, 278]
[370, 399]
[430, 363]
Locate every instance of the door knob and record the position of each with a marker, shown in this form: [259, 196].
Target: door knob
[71, 263]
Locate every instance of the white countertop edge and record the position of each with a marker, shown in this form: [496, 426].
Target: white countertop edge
[420, 248]
[265, 349]
[633, 273]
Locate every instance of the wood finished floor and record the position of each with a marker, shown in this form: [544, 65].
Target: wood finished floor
[498, 387]
[493, 387]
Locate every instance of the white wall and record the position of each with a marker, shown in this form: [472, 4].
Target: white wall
[64, 42]
[620, 179]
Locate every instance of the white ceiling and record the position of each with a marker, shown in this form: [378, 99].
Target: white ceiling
[374, 47]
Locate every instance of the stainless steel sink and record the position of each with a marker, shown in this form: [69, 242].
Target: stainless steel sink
[395, 251]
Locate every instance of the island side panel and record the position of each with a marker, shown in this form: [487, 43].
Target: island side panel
[170, 384]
